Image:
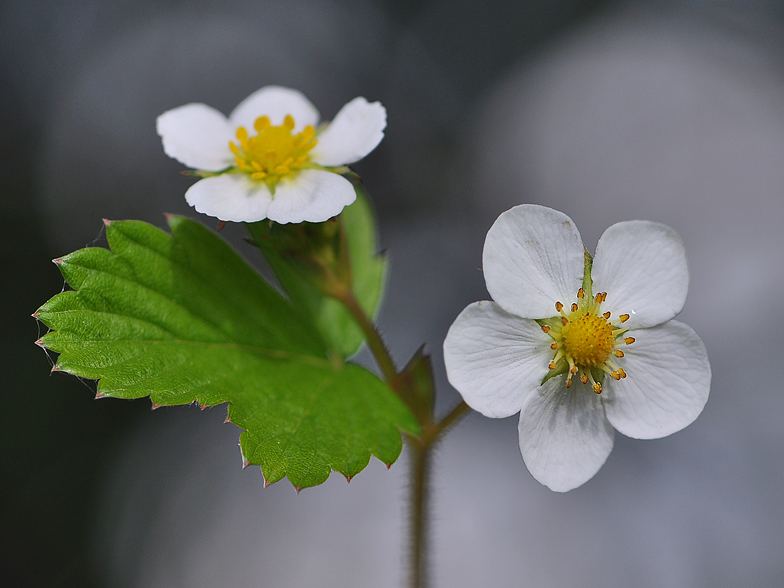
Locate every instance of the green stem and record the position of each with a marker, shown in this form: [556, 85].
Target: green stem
[374, 341]
[451, 418]
[420, 448]
[420, 470]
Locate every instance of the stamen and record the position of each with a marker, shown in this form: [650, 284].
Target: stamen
[586, 339]
[275, 151]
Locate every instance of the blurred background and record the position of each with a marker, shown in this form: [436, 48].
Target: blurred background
[606, 110]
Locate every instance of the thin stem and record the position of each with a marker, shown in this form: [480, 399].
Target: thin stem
[420, 470]
[374, 341]
[451, 418]
[420, 448]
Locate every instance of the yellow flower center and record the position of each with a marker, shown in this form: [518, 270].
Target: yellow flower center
[585, 341]
[274, 152]
[589, 340]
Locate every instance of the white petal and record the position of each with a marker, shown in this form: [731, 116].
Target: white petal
[275, 102]
[196, 135]
[355, 132]
[230, 197]
[312, 195]
[564, 436]
[642, 267]
[667, 383]
[533, 258]
[495, 359]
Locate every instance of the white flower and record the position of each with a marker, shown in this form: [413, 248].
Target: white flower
[269, 158]
[576, 358]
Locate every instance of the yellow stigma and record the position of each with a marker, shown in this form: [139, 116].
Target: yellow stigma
[274, 152]
[589, 340]
[585, 341]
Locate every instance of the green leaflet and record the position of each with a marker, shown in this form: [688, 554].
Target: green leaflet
[182, 318]
[368, 273]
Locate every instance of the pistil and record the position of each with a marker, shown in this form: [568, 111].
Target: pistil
[587, 340]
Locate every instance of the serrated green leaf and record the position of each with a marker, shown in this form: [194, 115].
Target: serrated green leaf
[368, 274]
[182, 318]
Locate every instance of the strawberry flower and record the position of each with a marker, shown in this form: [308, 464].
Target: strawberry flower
[579, 346]
[270, 158]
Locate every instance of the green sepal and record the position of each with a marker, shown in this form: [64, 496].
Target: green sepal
[587, 278]
[561, 367]
[306, 257]
[182, 318]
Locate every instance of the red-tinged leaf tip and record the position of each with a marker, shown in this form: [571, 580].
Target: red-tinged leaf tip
[227, 419]
[55, 368]
[221, 225]
[389, 465]
[106, 222]
[99, 395]
[267, 483]
[203, 406]
[35, 314]
[297, 488]
[39, 343]
[348, 479]
[155, 405]
[57, 261]
[245, 463]
[168, 216]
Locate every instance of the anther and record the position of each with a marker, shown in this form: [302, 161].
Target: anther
[623, 373]
[552, 365]
[606, 315]
[546, 328]
[574, 307]
[553, 346]
[624, 318]
[628, 340]
[597, 387]
[598, 298]
[564, 321]
[618, 353]
[580, 293]
[584, 379]
[558, 307]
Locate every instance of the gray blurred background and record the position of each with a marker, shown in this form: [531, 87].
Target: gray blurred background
[606, 110]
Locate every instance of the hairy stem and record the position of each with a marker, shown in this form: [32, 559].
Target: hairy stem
[420, 470]
[374, 341]
[420, 448]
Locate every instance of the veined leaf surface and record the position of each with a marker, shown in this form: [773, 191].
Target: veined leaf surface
[182, 318]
